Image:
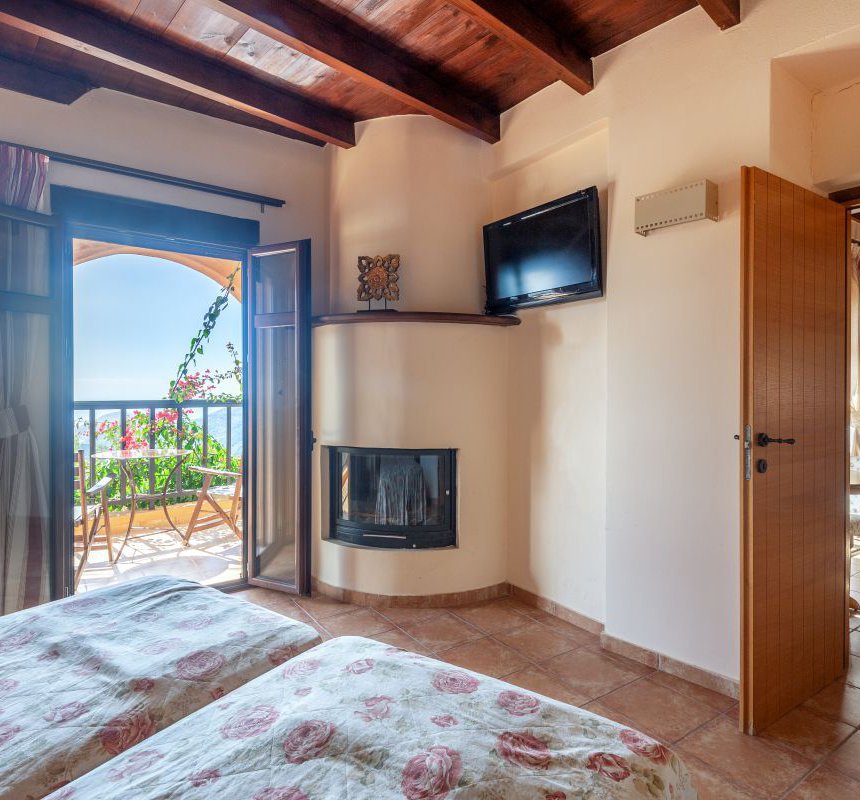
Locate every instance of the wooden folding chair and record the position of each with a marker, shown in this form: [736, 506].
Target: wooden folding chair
[88, 517]
[209, 494]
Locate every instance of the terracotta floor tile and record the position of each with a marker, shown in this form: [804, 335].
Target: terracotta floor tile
[592, 673]
[324, 634]
[491, 617]
[402, 616]
[486, 656]
[837, 701]
[539, 680]
[537, 642]
[597, 707]
[853, 676]
[441, 632]
[321, 607]
[712, 785]
[363, 622]
[715, 700]
[750, 761]
[665, 712]
[808, 733]
[847, 758]
[826, 784]
[275, 601]
[397, 638]
[566, 629]
[520, 606]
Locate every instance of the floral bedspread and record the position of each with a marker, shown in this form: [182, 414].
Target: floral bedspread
[83, 679]
[361, 720]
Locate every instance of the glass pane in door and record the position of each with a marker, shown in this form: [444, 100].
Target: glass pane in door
[274, 284]
[279, 381]
[275, 454]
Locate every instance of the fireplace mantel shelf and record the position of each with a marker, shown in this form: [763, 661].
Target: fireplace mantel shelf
[416, 316]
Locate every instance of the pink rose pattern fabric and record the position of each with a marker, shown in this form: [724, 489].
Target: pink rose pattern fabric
[406, 727]
[88, 678]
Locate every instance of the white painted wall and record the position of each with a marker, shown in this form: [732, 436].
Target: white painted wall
[836, 155]
[109, 126]
[557, 395]
[411, 186]
[683, 101]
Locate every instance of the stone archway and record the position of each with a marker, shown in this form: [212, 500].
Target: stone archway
[218, 269]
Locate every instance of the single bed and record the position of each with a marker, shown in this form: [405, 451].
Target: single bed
[359, 719]
[85, 678]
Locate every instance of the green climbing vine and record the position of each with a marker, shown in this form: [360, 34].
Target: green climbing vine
[185, 386]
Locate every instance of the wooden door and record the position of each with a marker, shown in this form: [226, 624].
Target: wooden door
[278, 465]
[794, 560]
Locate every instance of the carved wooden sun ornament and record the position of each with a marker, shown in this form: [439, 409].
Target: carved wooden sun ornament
[377, 278]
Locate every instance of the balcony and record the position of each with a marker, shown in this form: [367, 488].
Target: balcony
[210, 432]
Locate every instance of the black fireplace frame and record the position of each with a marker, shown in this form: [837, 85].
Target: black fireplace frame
[395, 537]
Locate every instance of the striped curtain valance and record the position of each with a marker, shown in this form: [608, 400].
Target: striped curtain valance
[22, 177]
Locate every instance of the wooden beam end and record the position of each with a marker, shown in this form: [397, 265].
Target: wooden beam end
[726, 13]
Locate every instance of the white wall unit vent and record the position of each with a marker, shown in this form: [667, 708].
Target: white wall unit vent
[675, 206]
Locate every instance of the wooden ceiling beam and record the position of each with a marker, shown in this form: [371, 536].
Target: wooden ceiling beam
[96, 35]
[343, 45]
[37, 82]
[514, 22]
[726, 13]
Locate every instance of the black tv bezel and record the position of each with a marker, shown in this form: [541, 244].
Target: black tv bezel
[560, 294]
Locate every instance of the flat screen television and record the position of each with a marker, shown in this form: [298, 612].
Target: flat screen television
[549, 254]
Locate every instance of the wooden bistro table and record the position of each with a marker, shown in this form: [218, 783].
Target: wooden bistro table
[124, 458]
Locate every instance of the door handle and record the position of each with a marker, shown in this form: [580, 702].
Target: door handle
[763, 440]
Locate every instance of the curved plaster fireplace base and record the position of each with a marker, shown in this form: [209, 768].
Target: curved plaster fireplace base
[416, 386]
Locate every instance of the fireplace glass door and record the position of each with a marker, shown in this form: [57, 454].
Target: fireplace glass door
[392, 498]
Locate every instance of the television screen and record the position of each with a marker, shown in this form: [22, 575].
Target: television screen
[549, 254]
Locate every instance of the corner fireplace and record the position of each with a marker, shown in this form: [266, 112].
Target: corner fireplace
[381, 497]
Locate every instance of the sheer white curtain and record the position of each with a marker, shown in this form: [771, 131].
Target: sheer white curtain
[24, 345]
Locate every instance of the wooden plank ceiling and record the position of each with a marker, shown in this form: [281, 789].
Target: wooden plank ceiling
[310, 69]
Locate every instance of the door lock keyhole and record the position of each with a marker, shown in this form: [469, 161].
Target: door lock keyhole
[761, 466]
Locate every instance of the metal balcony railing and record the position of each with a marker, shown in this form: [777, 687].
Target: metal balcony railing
[211, 430]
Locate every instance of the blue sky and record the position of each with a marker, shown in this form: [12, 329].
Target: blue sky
[134, 318]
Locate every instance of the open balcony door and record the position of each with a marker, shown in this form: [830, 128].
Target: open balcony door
[794, 496]
[279, 439]
[35, 398]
